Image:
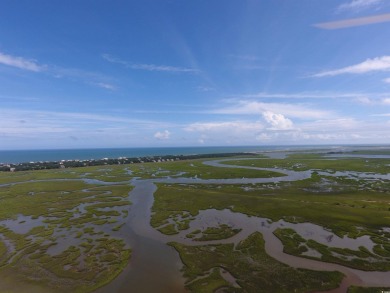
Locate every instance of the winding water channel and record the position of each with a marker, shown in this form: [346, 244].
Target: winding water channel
[155, 266]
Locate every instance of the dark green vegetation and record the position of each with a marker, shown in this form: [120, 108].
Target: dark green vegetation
[337, 203]
[223, 231]
[346, 198]
[252, 270]
[300, 162]
[196, 169]
[361, 259]
[54, 233]
[354, 289]
[104, 173]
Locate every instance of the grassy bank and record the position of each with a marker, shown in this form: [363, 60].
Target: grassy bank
[54, 233]
[251, 268]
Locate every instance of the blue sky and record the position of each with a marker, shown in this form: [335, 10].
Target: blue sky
[151, 73]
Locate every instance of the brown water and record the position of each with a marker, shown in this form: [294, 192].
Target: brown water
[154, 266]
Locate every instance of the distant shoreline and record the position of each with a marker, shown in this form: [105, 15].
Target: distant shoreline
[48, 165]
[51, 155]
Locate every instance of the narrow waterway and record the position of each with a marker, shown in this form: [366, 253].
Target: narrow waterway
[155, 266]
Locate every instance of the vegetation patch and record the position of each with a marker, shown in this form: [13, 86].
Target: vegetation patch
[354, 289]
[361, 259]
[44, 225]
[345, 209]
[196, 169]
[302, 162]
[223, 231]
[252, 268]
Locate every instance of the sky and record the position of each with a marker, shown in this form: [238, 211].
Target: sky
[171, 73]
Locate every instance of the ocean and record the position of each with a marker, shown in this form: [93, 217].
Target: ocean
[22, 156]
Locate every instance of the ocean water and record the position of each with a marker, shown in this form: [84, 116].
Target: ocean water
[21, 156]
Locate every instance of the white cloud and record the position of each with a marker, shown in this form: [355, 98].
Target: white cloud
[205, 89]
[369, 101]
[329, 125]
[20, 63]
[345, 23]
[290, 110]
[162, 135]
[149, 67]
[386, 101]
[50, 129]
[339, 130]
[347, 129]
[153, 67]
[73, 74]
[365, 100]
[356, 5]
[387, 80]
[71, 120]
[277, 121]
[226, 127]
[80, 75]
[112, 59]
[106, 86]
[226, 132]
[343, 130]
[357, 96]
[370, 65]
[303, 95]
[382, 115]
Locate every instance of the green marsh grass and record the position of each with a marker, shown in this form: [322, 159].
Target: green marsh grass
[361, 259]
[87, 265]
[196, 168]
[252, 268]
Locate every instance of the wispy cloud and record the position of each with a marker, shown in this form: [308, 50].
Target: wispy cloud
[245, 57]
[345, 23]
[387, 80]
[382, 115]
[73, 74]
[205, 89]
[225, 126]
[74, 120]
[286, 109]
[106, 86]
[21, 63]
[303, 95]
[357, 5]
[153, 67]
[370, 65]
[19, 98]
[339, 124]
[149, 67]
[80, 75]
[369, 101]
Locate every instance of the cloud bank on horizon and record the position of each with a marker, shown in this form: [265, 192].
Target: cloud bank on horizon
[194, 73]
